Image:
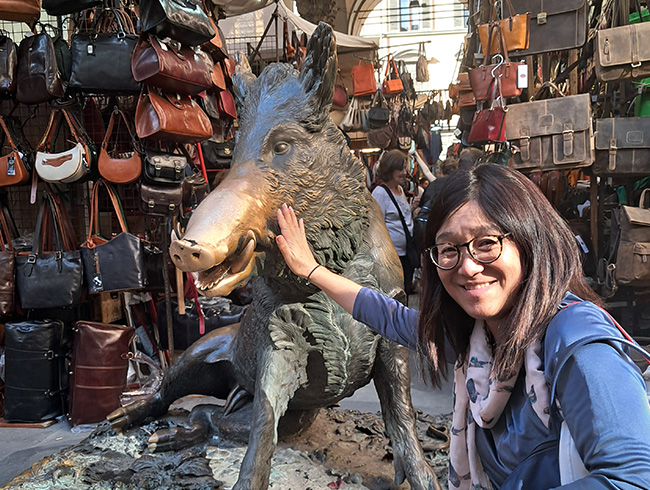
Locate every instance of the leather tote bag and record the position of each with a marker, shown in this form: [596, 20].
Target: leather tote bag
[623, 53]
[352, 119]
[551, 134]
[363, 79]
[622, 146]
[28, 11]
[49, 279]
[66, 166]
[171, 66]
[114, 264]
[488, 125]
[170, 117]
[515, 28]
[181, 20]
[13, 168]
[7, 267]
[379, 112]
[100, 362]
[38, 78]
[392, 84]
[35, 376]
[101, 58]
[65, 7]
[118, 167]
[8, 63]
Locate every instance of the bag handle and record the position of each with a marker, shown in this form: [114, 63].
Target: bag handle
[409, 238]
[111, 123]
[643, 203]
[5, 234]
[48, 131]
[10, 139]
[94, 211]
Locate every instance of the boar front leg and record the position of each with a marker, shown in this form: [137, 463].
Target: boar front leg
[393, 382]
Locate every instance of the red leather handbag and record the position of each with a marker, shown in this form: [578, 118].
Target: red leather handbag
[226, 105]
[340, 99]
[488, 125]
[363, 79]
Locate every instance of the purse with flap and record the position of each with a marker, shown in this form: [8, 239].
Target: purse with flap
[164, 168]
[160, 200]
[552, 133]
[622, 146]
[623, 53]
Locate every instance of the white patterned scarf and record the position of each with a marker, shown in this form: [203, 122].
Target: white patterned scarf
[480, 400]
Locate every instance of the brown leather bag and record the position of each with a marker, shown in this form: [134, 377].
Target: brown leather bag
[100, 361]
[160, 200]
[623, 53]
[113, 168]
[363, 79]
[170, 117]
[171, 66]
[515, 30]
[622, 146]
[12, 168]
[20, 10]
[7, 268]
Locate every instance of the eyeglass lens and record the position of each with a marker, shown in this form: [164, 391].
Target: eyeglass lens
[485, 249]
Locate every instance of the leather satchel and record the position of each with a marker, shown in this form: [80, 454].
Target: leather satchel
[170, 117]
[217, 155]
[171, 66]
[622, 146]
[363, 79]
[623, 53]
[100, 362]
[182, 20]
[551, 134]
[554, 24]
[38, 79]
[115, 264]
[7, 268]
[13, 170]
[379, 113]
[35, 374]
[392, 84]
[8, 63]
[28, 11]
[160, 200]
[515, 29]
[101, 58]
[114, 167]
[49, 279]
[164, 168]
[631, 229]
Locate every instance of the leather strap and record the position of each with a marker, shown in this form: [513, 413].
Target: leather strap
[567, 139]
[611, 164]
[409, 238]
[93, 229]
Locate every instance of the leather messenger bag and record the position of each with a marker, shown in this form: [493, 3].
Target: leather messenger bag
[554, 24]
[622, 146]
[623, 53]
[551, 134]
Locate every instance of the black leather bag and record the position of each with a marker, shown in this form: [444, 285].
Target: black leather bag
[35, 377]
[217, 156]
[379, 113]
[160, 200]
[101, 59]
[164, 168]
[65, 7]
[182, 20]
[622, 146]
[49, 279]
[8, 63]
[38, 78]
[116, 264]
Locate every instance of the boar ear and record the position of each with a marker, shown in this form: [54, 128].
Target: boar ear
[242, 78]
[318, 73]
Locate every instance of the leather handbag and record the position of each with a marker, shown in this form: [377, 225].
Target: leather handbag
[50, 279]
[170, 117]
[38, 79]
[363, 79]
[488, 125]
[164, 167]
[98, 371]
[65, 7]
[352, 119]
[623, 53]
[551, 134]
[217, 155]
[13, 170]
[7, 267]
[622, 146]
[182, 20]
[195, 189]
[114, 264]
[340, 99]
[28, 11]
[216, 46]
[171, 66]
[392, 84]
[101, 58]
[35, 374]
[8, 63]
[384, 137]
[515, 29]
[67, 166]
[422, 65]
[119, 168]
[226, 105]
[160, 200]
[218, 77]
[379, 112]
[554, 24]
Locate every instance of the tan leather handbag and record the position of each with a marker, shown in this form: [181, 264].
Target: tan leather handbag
[112, 168]
[515, 30]
[12, 167]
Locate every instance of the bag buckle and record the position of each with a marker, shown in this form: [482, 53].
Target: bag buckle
[49, 355]
[635, 65]
[542, 18]
[31, 259]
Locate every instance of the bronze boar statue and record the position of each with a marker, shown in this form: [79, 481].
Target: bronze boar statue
[295, 350]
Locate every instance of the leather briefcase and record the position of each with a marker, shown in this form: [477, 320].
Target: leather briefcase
[551, 134]
[622, 146]
[623, 53]
[34, 370]
[160, 200]
[554, 24]
[631, 229]
[164, 168]
[100, 361]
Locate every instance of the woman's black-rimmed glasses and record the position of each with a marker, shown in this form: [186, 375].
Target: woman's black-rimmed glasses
[483, 249]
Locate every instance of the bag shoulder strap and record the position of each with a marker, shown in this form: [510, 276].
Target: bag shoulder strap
[399, 211]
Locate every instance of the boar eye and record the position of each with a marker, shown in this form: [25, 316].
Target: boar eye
[281, 148]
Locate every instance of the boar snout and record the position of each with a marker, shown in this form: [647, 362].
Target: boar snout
[191, 256]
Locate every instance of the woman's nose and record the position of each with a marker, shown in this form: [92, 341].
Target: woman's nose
[467, 265]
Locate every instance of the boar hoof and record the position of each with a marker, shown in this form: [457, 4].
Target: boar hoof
[176, 438]
[124, 417]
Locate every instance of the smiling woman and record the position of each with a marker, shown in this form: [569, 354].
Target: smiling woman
[504, 298]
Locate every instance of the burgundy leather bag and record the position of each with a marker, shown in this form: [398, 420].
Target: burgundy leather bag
[100, 361]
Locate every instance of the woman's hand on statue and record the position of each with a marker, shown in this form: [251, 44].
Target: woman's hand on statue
[293, 242]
